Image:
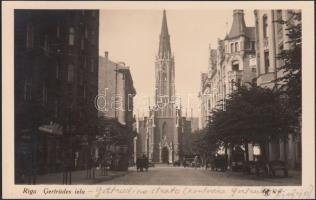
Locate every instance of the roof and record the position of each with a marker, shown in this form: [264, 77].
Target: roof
[239, 27]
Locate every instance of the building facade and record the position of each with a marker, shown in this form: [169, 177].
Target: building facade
[232, 63]
[271, 39]
[146, 137]
[115, 105]
[56, 73]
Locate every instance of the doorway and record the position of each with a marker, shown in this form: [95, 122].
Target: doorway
[165, 155]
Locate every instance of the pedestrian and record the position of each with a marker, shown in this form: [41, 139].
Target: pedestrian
[195, 161]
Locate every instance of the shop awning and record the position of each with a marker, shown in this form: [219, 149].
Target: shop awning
[53, 128]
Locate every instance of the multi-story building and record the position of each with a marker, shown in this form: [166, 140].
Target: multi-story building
[232, 63]
[115, 105]
[238, 65]
[56, 74]
[271, 39]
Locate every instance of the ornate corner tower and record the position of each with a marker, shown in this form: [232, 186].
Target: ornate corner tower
[166, 134]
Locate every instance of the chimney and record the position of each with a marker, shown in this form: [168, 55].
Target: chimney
[106, 55]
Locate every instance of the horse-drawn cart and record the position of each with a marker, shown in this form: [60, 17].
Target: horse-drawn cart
[142, 163]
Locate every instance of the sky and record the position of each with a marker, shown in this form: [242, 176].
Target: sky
[132, 36]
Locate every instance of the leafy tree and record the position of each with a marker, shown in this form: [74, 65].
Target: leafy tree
[291, 68]
[253, 115]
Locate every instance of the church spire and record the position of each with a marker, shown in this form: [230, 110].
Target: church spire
[164, 43]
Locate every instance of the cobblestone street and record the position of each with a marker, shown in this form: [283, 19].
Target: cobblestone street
[167, 175]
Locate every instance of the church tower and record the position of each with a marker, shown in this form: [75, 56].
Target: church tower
[166, 134]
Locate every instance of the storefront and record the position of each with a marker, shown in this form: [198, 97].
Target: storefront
[49, 148]
[113, 145]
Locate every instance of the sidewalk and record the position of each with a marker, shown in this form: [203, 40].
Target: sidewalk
[294, 177]
[79, 177]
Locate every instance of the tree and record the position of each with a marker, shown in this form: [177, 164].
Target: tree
[291, 58]
[253, 115]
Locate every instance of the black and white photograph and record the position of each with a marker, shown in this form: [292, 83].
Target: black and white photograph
[160, 96]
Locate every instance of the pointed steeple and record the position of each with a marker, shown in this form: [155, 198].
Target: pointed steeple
[164, 43]
[238, 27]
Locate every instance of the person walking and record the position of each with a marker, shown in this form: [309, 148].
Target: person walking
[195, 161]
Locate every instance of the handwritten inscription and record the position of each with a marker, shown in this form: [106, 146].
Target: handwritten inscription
[106, 191]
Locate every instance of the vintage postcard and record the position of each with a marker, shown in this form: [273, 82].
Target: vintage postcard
[158, 100]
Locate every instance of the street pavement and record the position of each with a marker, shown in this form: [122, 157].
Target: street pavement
[79, 177]
[169, 175]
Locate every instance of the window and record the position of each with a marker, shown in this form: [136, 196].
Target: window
[44, 94]
[236, 47]
[27, 89]
[279, 14]
[265, 26]
[70, 73]
[57, 70]
[56, 108]
[71, 36]
[29, 36]
[84, 92]
[86, 32]
[279, 25]
[92, 65]
[92, 37]
[253, 45]
[232, 47]
[235, 66]
[266, 61]
[84, 61]
[82, 43]
[94, 13]
[58, 31]
[45, 45]
[231, 85]
[80, 77]
[164, 75]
